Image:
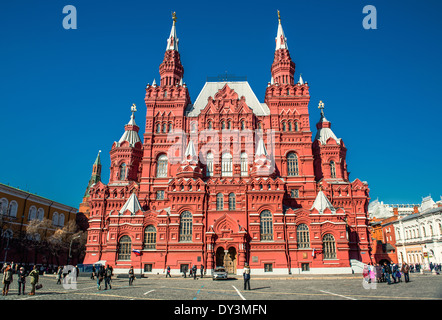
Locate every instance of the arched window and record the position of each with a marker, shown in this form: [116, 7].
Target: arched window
[150, 237]
[32, 213]
[332, 169]
[55, 219]
[229, 125]
[303, 236]
[209, 125]
[162, 166]
[329, 247]
[226, 165]
[124, 248]
[158, 127]
[244, 164]
[4, 206]
[232, 201]
[292, 164]
[296, 126]
[13, 206]
[219, 202]
[170, 127]
[243, 125]
[209, 164]
[223, 125]
[61, 220]
[266, 225]
[290, 126]
[122, 175]
[164, 127]
[186, 226]
[284, 126]
[40, 214]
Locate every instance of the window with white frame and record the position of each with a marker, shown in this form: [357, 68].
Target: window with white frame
[226, 165]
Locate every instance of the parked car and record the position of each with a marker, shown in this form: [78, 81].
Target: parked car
[219, 273]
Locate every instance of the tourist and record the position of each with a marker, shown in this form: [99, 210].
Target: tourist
[7, 279]
[387, 272]
[246, 275]
[405, 270]
[59, 275]
[131, 275]
[21, 280]
[107, 277]
[202, 271]
[34, 279]
[100, 276]
[194, 272]
[168, 272]
[93, 273]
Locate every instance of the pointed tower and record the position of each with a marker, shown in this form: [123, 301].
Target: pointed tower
[95, 177]
[126, 154]
[165, 108]
[329, 152]
[283, 68]
[171, 70]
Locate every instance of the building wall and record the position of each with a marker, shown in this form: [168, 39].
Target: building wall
[16, 210]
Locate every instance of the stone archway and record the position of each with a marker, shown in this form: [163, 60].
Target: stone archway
[219, 257]
[230, 260]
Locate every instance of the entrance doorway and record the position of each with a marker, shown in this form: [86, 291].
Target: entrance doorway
[226, 259]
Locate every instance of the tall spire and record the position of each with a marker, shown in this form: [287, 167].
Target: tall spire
[324, 128]
[172, 41]
[171, 70]
[283, 68]
[131, 130]
[281, 40]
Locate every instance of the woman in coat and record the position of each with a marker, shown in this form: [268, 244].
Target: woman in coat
[7, 279]
[34, 279]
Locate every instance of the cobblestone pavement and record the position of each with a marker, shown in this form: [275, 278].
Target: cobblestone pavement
[157, 287]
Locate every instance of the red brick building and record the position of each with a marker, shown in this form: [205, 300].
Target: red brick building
[228, 180]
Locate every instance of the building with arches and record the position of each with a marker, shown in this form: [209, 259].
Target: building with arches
[227, 179]
[17, 209]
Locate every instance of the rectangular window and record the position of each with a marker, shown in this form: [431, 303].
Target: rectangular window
[184, 268]
[160, 195]
[268, 267]
[305, 266]
[294, 193]
[148, 267]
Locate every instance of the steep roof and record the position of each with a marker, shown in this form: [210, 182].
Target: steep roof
[132, 204]
[242, 88]
[321, 203]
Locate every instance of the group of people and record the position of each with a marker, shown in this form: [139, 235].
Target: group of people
[192, 272]
[387, 272]
[102, 273]
[8, 277]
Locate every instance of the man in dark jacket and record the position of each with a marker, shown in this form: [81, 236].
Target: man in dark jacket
[21, 280]
[387, 272]
[107, 277]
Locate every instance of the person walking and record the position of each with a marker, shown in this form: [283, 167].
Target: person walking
[202, 271]
[246, 275]
[387, 272]
[168, 272]
[406, 271]
[100, 276]
[7, 279]
[131, 275]
[34, 279]
[107, 277]
[59, 274]
[93, 273]
[194, 272]
[21, 274]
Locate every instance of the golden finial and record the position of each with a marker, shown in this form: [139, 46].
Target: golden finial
[174, 17]
[133, 108]
[279, 17]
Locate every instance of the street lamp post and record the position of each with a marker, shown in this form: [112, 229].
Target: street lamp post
[70, 248]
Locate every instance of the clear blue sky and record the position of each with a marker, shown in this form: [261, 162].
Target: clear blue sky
[65, 94]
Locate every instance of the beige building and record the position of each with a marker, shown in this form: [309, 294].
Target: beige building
[17, 209]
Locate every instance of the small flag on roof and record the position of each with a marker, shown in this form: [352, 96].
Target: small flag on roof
[137, 252]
